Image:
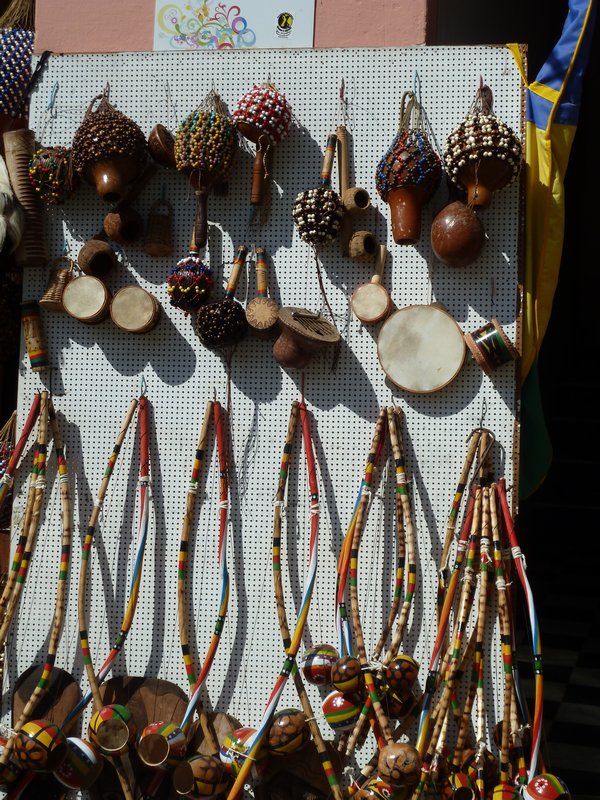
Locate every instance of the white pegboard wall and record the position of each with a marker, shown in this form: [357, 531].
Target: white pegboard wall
[97, 369]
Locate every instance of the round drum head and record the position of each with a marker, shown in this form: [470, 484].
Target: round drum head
[421, 349]
[86, 298]
[370, 303]
[135, 310]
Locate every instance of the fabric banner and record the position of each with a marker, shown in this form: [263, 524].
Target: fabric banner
[553, 102]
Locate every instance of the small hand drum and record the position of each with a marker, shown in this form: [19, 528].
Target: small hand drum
[421, 349]
[135, 310]
[87, 299]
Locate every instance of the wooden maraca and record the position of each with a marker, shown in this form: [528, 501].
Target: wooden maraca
[223, 324]
[371, 302]
[409, 172]
[262, 312]
[263, 116]
[482, 153]
[318, 212]
[205, 146]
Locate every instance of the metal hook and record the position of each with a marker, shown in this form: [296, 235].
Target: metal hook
[417, 86]
[143, 386]
[51, 105]
[483, 411]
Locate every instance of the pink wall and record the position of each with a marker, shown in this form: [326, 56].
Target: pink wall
[106, 26]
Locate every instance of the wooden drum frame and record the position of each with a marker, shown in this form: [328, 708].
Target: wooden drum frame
[135, 310]
[421, 349]
[87, 299]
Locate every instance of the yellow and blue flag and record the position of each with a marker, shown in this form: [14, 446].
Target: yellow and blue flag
[553, 103]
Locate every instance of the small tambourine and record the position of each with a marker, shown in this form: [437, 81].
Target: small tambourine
[490, 347]
[421, 349]
[371, 302]
[302, 335]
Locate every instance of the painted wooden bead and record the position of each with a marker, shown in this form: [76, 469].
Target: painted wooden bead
[233, 751]
[341, 710]
[490, 767]
[112, 729]
[162, 745]
[11, 772]
[40, 745]
[401, 674]
[289, 732]
[317, 663]
[399, 764]
[346, 674]
[81, 767]
[506, 791]
[546, 787]
[457, 786]
[398, 705]
[376, 789]
[200, 776]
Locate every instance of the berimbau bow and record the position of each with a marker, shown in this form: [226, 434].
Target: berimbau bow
[192, 493]
[447, 589]
[83, 571]
[223, 570]
[326, 764]
[519, 559]
[342, 622]
[294, 646]
[406, 531]
[27, 540]
[61, 589]
[382, 721]
[406, 544]
[95, 681]
[7, 478]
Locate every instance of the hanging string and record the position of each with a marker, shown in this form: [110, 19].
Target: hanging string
[51, 112]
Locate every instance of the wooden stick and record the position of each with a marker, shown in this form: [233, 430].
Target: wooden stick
[354, 602]
[61, 590]
[85, 554]
[31, 523]
[395, 417]
[505, 639]
[284, 628]
[192, 492]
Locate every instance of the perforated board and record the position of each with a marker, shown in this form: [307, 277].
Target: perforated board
[97, 369]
